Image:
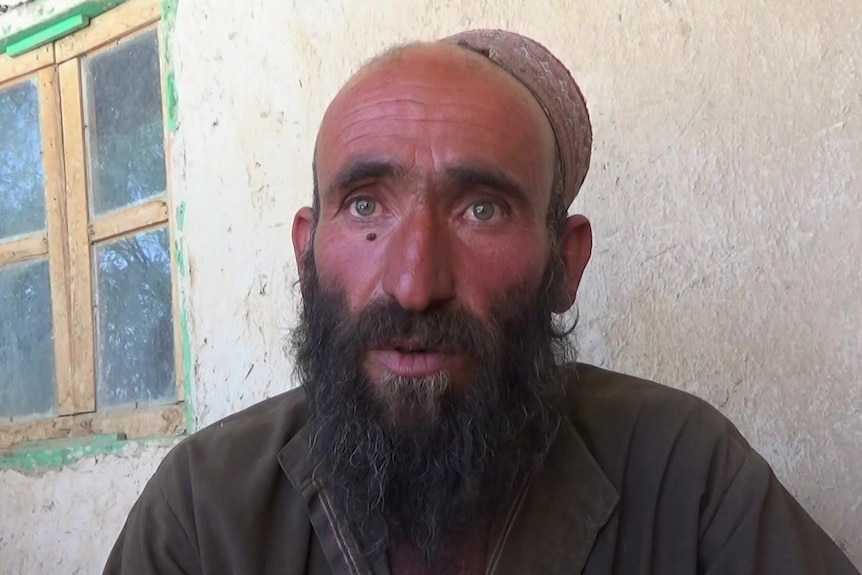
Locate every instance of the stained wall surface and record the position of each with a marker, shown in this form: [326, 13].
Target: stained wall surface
[725, 194]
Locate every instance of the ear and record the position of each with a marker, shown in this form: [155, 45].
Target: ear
[302, 234]
[576, 246]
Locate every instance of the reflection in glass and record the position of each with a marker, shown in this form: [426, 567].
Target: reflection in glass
[27, 384]
[135, 356]
[22, 178]
[124, 113]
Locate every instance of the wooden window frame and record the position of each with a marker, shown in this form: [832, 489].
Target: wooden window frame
[72, 233]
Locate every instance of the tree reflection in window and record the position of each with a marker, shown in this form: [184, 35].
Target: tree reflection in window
[27, 385]
[22, 177]
[135, 321]
[124, 112]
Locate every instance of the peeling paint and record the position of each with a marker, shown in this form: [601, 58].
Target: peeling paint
[181, 259]
[185, 323]
[39, 457]
[38, 16]
[180, 216]
[186, 346]
[169, 19]
[180, 219]
[70, 527]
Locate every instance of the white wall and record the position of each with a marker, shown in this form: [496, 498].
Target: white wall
[725, 194]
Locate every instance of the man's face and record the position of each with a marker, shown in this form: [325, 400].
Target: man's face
[434, 171]
[426, 343]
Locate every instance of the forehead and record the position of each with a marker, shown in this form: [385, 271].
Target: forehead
[436, 105]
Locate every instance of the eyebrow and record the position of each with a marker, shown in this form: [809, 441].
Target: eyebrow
[364, 169]
[462, 177]
[493, 179]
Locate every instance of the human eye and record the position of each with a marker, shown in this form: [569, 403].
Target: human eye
[483, 211]
[363, 207]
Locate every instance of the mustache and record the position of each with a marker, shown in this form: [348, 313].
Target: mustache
[385, 324]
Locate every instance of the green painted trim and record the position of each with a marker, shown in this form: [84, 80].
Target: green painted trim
[37, 457]
[186, 346]
[70, 442]
[88, 10]
[181, 216]
[172, 101]
[169, 21]
[47, 34]
[169, 86]
[185, 319]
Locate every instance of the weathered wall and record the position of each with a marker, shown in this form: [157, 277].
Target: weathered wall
[725, 193]
[7, 5]
[21, 14]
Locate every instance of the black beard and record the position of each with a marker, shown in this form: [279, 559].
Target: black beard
[424, 483]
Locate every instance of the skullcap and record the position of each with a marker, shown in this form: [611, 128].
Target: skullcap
[552, 85]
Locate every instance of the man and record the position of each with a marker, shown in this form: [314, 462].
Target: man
[441, 426]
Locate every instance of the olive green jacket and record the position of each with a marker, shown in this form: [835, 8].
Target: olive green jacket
[642, 479]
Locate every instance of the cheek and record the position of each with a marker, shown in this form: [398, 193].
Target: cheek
[491, 267]
[485, 266]
[349, 262]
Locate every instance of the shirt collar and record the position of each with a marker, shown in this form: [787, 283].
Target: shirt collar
[338, 544]
[558, 514]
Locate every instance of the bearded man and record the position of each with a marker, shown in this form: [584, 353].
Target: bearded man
[441, 425]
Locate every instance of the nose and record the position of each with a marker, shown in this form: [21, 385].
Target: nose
[419, 268]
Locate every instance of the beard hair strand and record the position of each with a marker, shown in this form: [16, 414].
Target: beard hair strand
[423, 480]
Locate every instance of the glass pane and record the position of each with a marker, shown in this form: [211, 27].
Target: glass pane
[22, 179]
[124, 115]
[135, 323]
[27, 384]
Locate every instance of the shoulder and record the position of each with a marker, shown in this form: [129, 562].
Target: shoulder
[599, 398]
[221, 485]
[244, 445]
[629, 422]
[602, 387]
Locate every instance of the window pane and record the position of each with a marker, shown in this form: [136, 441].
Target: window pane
[135, 323]
[22, 179]
[26, 341]
[124, 113]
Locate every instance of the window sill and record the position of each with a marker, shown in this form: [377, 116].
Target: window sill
[55, 454]
[52, 443]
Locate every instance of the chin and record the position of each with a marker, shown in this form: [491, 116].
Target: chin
[414, 401]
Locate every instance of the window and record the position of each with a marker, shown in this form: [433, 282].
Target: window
[88, 337]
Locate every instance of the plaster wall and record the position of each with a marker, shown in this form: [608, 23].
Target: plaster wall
[9, 4]
[21, 14]
[725, 194]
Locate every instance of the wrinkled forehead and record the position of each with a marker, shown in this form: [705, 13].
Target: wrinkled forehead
[436, 83]
[399, 60]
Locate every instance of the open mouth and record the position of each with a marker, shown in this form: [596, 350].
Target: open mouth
[413, 359]
[413, 348]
